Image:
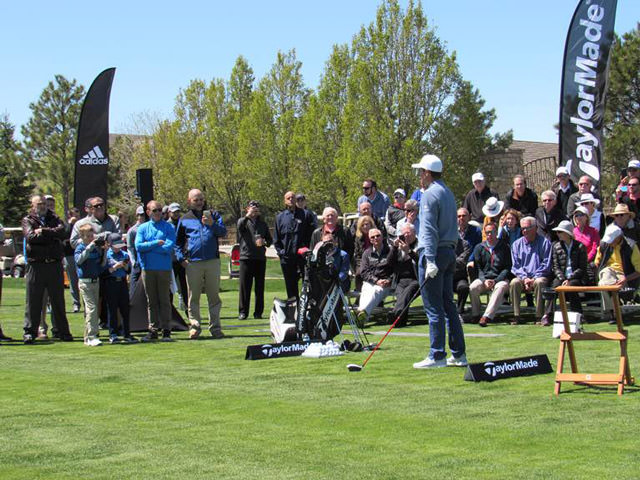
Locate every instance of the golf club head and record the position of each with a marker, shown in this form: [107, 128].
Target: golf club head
[352, 367]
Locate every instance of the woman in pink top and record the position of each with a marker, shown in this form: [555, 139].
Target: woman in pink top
[589, 237]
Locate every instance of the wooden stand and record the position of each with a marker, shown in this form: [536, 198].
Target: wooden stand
[623, 377]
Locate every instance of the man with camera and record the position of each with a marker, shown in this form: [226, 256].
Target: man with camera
[197, 250]
[253, 237]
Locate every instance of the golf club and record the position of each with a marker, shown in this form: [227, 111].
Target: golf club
[352, 367]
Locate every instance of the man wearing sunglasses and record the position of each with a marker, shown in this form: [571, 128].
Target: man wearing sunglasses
[563, 188]
[379, 201]
[155, 241]
[585, 185]
[102, 223]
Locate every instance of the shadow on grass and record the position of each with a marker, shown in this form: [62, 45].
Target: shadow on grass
[599, 389]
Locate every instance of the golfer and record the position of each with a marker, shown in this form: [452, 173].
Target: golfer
[437, 260]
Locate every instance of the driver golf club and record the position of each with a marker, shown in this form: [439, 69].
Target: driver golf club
[352, 367]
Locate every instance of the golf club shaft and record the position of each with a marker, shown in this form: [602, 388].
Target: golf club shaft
[415, 295]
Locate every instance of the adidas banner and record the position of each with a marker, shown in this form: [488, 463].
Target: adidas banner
[584, 84]
[92, 147]
[512, 367]
[275, 350]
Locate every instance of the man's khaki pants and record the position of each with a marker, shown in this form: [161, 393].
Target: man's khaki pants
[516, 287]
[478, 287]
[205, 273]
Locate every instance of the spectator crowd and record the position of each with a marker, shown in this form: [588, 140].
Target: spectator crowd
[525, 242]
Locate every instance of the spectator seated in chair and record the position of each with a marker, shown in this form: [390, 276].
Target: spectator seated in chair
[531, 267]
[618, 262]
[376, 271]
[569, 266]
[493, 261]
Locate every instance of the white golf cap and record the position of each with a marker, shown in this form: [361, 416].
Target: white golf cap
[400, 191]
[429, 162]
[562, 171]
[611, 233]
[174, 207]
[477, 176]
[634, 164]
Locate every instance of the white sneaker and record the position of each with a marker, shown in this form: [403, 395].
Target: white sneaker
[430, 363]
[92, 342]
[461, 361]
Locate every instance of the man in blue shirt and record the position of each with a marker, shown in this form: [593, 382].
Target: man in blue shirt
[155, 241]
[198, 251]
[437, 261]
[379, 201]
[531, 267]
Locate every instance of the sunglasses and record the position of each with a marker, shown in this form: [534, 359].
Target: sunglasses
[524, 229]
[634, 184]
[366, 189]
[578, 215]
[98, 205]
[156, 210]
[375, 236]
[584, 184]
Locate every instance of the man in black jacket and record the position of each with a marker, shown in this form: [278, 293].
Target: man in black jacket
[569, 266]
[253, 237]
[493, 261]
[549, 216]
[292, 231]
[477, 196]
[521, 198]
[44, 232]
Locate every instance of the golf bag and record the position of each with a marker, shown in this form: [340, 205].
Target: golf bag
[283, 320]
[318, 299]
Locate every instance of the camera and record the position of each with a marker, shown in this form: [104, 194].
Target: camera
[99, 241]
[402, 237]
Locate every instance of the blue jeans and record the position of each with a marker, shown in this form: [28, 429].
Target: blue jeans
[437, 296]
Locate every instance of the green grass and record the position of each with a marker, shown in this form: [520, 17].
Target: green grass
[199, 410]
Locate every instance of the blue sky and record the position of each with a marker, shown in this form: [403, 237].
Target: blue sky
[511, 50]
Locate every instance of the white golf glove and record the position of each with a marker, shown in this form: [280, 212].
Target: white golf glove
[431, 271]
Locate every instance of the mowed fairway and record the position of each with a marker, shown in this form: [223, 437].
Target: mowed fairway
[197, 409]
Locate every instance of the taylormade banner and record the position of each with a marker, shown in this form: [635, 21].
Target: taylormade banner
[584, 84]
[92, 147]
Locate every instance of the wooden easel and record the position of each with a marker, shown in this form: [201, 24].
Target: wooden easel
[623, 377]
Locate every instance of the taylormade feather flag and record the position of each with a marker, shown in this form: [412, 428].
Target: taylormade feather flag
[92, 147]
[584, 84]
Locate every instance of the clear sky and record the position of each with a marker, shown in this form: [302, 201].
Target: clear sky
[511, 50]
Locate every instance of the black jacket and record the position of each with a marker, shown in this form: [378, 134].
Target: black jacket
[404, 266]
[463, 252]
[562, 196]
[527, 205]
[246, 238]
[376, 266]
[546, 226]
[474, 202]
[293, 231]
[46, 246]
[578, 261]
[493, 266]
[341, 236]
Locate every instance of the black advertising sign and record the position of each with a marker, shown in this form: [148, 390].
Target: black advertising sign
[512, 367]
[584, 85]
[92, 147]
[275, 350]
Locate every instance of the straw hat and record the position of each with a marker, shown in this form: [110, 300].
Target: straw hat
[622, 209]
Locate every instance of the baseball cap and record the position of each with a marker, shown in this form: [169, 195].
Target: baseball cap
[477, 176]
[400, 191]
[115, 240]
[632, 164]
[562, 171]
[174, 207]
[140, 210]
[429, 162]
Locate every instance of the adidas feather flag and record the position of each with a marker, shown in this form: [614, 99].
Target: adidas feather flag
[92, 148]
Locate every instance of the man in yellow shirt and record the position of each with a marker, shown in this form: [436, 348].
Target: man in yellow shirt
[618, 262]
